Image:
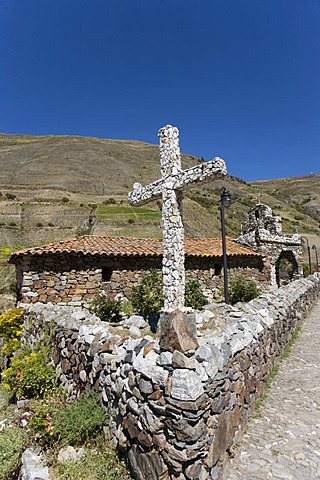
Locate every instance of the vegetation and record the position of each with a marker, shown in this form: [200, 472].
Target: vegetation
[194, 296]
[29, 375]
[106, 308]
[101, 463]
[306, 269]
[12, 444]
[53, 423]
[76, 423]
[48, 419]
[147, 297]
[11, 325]
[242, 289]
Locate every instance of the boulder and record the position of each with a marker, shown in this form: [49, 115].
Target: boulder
[178, 332]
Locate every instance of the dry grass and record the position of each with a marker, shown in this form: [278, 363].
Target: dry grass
[41, 171]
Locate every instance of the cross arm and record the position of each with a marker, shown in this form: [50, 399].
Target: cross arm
[201, 173]
[141, 195]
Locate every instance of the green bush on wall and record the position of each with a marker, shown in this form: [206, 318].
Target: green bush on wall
[147, 297]
[106, 308]
[242, 289]
[194, 296]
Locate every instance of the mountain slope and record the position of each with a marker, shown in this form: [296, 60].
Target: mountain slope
[54, 187]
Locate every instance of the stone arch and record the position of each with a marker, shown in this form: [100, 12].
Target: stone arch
[287, 268]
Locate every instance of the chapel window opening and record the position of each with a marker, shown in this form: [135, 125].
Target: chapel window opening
[106, 274]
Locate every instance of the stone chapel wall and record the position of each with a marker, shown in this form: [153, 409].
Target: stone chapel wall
[77, 279]
[176, 415]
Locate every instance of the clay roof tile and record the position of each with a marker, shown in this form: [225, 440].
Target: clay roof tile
[130, 246]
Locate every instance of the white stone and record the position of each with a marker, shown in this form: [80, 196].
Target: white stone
[67, 454]
[136, 321]
[134, 332]
[148, 366]
[170, 187]
[33, 467]
[186, 385]
[79, 315]
[165, 358]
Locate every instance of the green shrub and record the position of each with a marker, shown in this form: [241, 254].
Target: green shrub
[11, 325]
[126, 307]
[110, 201]
[83, 231]
[11, 196]
[12, 444]
[65, 199]
[194, 296]
[242, 289]
[101, 463]
[106, 308]
[306, 269]
[29, 375]
[147, 297]
[76, 423]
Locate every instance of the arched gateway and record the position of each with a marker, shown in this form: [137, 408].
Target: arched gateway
[263, 231]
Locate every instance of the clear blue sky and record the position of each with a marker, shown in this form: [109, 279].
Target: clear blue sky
[239, 78]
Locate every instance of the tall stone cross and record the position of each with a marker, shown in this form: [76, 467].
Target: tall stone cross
[170, 188]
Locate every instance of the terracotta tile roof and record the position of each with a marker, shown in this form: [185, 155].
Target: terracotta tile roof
[130, 246]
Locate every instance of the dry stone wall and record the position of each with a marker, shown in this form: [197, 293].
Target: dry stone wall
[176, 415]
[77, 279]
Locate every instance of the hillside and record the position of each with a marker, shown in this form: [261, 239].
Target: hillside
[55, 187]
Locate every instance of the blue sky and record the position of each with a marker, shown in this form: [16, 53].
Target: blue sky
[239, 78]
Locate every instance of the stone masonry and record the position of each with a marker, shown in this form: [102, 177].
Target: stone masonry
[75, 278]
[263, 231]
[170, 188]
[175, 415]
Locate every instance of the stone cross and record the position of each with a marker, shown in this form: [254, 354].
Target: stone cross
[170, 187]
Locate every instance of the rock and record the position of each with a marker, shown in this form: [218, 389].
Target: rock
[149, 368]
[146, 466]
[196, 471]
[186, 385]
[204, 353]
[135, 321]
[179, 360]
[178, 332]
[134, 332]
[145, 386]
[165, 359]
[67, 454]
[33, 467]
[203, 316]
[3, 424]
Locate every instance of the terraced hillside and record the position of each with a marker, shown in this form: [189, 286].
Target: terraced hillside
[55, 187]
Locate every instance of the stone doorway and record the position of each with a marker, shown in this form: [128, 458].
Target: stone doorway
[287, 268]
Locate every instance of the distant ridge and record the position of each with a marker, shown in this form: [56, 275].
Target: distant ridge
[54, 187]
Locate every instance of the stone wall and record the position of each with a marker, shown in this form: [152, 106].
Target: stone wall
[176, 415]
[76, 279]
